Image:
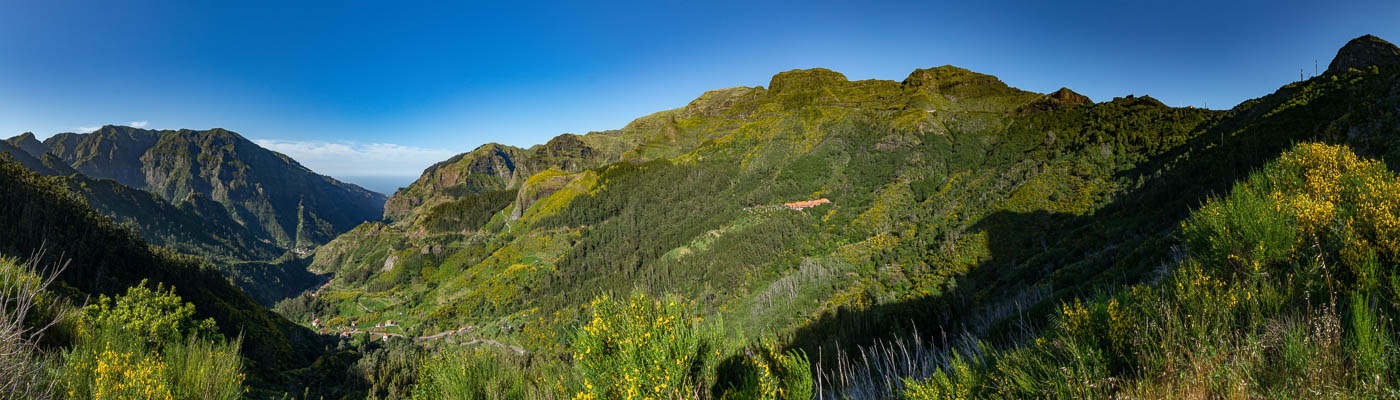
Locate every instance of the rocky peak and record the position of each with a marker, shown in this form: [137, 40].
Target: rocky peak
[804, 79]
[948, 76]
[1363, 52]
[1063, 98]
[1069, 96]
[29, 144]
[1144, 100]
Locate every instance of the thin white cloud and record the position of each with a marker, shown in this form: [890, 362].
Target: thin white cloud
[88, 129]
[138, 124]
[351, 158]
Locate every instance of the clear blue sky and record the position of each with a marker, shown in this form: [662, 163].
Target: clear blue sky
[356, 89]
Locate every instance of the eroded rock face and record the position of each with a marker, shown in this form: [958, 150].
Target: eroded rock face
[1363, 52]
[538, 187]
[390, 262]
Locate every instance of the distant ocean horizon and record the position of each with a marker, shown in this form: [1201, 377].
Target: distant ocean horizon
[382, 184]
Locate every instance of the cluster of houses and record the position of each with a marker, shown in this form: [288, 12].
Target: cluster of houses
[319, 288]
[805, 204]
[345, 333]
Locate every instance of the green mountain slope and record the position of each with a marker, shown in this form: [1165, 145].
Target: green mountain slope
[956, 204]
[909, 167]
[493, 167]
[193, 227]
[266, 192]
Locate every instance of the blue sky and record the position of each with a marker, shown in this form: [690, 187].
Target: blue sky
[373, 89]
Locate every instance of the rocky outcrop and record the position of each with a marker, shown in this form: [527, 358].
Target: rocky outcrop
[1063, 98]
[29, 144]
[1363, 52]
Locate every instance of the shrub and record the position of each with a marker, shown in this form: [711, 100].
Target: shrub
[957, 381]
[764, 373]
[157, 316]
[145, 345]
[108, 364]
[1243, 232]
[640, 347]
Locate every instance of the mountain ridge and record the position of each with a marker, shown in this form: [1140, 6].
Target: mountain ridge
[262, 189]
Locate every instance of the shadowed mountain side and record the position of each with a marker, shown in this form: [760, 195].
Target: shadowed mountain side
[267, 192]
[42, 163]
[106, 258]
[1039, 259]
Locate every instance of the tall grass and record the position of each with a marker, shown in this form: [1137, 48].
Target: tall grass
[877, 371]
[203, 369]
[486, 374]
[26, 312]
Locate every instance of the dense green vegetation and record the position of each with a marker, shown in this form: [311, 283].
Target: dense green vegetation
[1282, 293]
[964, 216]
[468, 213]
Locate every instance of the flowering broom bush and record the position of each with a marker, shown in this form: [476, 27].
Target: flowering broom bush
[146, 345]
[644, 348]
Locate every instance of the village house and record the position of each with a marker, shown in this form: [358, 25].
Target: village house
[801, 205]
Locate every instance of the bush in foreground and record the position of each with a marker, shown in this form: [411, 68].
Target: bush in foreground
[145, 345]
[1285, 293]
[640, 347]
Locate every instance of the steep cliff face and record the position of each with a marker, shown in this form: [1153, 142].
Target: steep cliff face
[113, 152]
[487, 168]
[269, 193]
